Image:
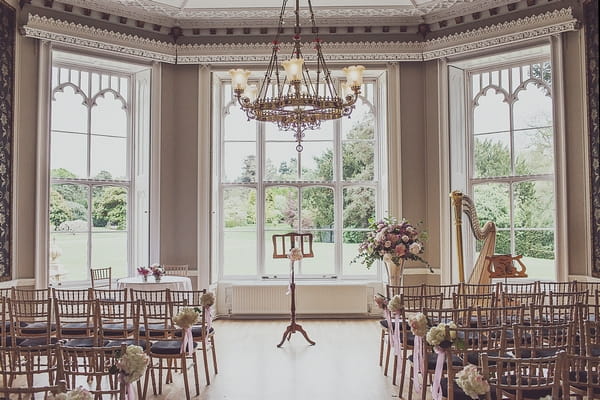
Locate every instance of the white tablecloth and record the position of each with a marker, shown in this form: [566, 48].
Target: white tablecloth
[166, 282]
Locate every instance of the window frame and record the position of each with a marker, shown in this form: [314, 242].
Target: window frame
[220, 79]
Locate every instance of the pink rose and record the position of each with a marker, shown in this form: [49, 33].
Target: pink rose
[400, 250]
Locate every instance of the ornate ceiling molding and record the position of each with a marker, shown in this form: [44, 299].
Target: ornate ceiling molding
[79, 35]
[535, 26]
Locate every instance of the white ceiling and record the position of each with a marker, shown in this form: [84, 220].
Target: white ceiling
[178, 11]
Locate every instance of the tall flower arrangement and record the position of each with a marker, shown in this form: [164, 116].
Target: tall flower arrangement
[398, 240]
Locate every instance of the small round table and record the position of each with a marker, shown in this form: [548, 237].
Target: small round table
[166, 282]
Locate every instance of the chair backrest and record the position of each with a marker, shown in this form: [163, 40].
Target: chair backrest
[156, 318]
[109, 294]
[150, 295]
[460, 316]
[447, 290]
[177, 270]
[509, 299]
[418, 302]
[528, 287]
[76, 319]
[70, 294]
[117, 319]
[581, 375]
[571, 297]
[546, 286]
[543, 340]
[92, 365]
[29, 294]
[474, 288]
[4, 322]
[592, 338]
[554, 314]
[485, 299]
[31, 318]
[42, 362]
[515, 377]
[101, 277]
[393, 290]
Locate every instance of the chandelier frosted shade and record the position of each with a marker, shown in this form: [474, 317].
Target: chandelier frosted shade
[300, 100]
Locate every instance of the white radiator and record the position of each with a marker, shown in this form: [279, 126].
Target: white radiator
[310, 299]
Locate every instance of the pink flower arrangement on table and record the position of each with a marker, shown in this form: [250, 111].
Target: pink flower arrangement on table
[144, 271]
[157, 270]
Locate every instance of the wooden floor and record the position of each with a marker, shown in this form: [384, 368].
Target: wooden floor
[342, 365]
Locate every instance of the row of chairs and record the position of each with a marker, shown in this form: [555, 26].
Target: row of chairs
[101, 278]
[493, 305]
[107, 319]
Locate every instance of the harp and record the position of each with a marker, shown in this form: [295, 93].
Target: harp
[486, 233]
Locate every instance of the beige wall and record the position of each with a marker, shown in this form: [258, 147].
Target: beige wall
[423, 171]
[179, 165]
[24, 148]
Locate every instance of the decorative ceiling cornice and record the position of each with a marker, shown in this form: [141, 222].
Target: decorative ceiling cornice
[535, 26]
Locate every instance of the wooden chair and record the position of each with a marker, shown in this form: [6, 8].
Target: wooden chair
[158, 330]
[523, 378]
[568, 298]
[91, 367]
[560, 287]
[31, 313]
[542, 340]
[118, 322]
[428, 356]
[177, 270]
[508, 299]
[581, 376]
[464, 300]
[591, 335]
[101, 277]
[30, 372]
[76, 322]
[471, 343]
[528, 287]
[446, 290]
[479, 288]
[201, 331]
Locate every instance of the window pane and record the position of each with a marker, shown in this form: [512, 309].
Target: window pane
[69, 113]
[281, 161]
[240, 162]
[537, 248]
[353, 239]
[240, 260]
[236, 125]
[492, 155]
[317, 208]
[317, 161]
[69, 208]
[534, 204]
[325, 132]
[361, 124]
[281, 208]
[359, 160]
[239, 208]
[109, 249]
[68, 154]
[492, 203]
[323, 263]
[109, 116]
[534, 151]
[70, 257]
[491, 114]
[533, 108]
[359, 206]
[110, 208]
[108, 157]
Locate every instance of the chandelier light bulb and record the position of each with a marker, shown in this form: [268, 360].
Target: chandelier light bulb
[354, 75]
[251, 92]
[239, 79]
[293, 69]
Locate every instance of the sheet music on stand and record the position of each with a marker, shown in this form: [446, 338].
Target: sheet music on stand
[282, 244]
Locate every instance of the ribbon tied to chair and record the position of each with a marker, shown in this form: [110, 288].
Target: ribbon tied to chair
[129, 393]
[436, 387]
[418, 363]
[187, 341]
[208, 315]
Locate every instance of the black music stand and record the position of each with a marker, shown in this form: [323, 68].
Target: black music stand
[295, 240]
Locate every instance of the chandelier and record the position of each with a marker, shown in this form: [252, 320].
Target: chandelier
[299, 100]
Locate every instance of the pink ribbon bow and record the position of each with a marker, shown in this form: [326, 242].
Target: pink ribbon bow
[418, 363]
[187, 343]
[436, 387]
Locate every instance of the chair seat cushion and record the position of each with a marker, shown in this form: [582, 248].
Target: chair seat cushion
[170, 347]
[531, 393]
[82, 342]
[156, 330]
[117, 329]
[473, 358]
[117, 343]
[35, 328]
[37, 342]
[75, 328]
[196, 331]
[432, 361]
[526, 353]
[458, 392]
